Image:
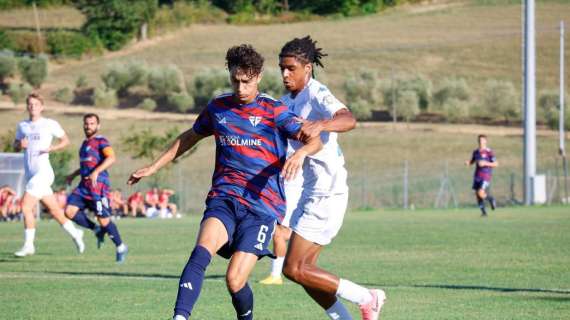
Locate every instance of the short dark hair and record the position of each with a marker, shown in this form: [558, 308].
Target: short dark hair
[245, 58]
[91, 115]
[481, 136]
[304, 50]
[34, 95]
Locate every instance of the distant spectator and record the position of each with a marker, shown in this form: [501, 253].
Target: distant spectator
[167, 208]
[7, 197]
[119, 206]
[151, 202]
[136, 204]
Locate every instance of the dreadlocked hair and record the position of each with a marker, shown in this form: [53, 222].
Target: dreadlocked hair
[305, 50]
[245, 58]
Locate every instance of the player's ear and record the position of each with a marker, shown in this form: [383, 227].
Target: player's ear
[308, 68]
[259, 77]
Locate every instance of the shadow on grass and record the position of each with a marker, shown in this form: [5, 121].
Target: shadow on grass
[479, 288]
[130, 275]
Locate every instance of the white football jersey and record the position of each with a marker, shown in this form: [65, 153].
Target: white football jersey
[40, 135]
[323, 173]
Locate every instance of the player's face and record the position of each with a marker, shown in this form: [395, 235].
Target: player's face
[244, 85]
[90, 126]
[482, 142]
[294, 73]
[35, 107]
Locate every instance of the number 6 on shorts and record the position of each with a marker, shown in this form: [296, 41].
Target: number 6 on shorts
[262, 233]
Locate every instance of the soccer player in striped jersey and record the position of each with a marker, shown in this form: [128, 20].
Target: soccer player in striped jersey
[35, 136]
[95, 157]
[246, 198]
[484, 160]
[318, 198]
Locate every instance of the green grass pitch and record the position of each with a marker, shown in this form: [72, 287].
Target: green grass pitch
[432, 264]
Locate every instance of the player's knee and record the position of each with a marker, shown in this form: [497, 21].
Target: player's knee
[235, 281]
[293, 271]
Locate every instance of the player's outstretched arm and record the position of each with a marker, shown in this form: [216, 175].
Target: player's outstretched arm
[183, 143]
[71, 176]
[342, 121]
[295, 162]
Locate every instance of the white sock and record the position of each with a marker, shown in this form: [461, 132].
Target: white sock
[178, 317]
[338, 312]
[352, 292]
[121, 247]
[70, 228]
[277, 266]
[29, 237]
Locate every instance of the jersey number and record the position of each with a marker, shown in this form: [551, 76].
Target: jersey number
[262, 235]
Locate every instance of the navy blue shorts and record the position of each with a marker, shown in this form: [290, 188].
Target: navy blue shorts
[247, 231]
[101, 207]
[479, 184]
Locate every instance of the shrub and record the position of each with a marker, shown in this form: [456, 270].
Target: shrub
[363, 90]
[63, 95]
[147, 104]
[451, 88]
[121, 77]
[105, 98]
[7, 65]
[208, 83]
[81, 82]
[5, 41]
[182, 14]
[33, 70]
[25, 42]
[70, 44]
[549, 108]
[421, 86]
[455, 109]
[500, 99]
[180, 102]
[18, 92]
[408, 104]
[272, 83]
[165, 80]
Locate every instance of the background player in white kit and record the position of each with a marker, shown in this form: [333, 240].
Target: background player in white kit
[35, 137]
[318, 198]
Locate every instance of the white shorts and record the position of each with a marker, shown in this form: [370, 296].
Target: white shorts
[318, 218]
[292, 197]
[39, 185]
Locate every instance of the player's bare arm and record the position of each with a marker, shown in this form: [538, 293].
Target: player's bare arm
[71, 176]
[61, 144]
[342, 121]
[110, 158]
[21, 144]
[183, 143]
[292, 166]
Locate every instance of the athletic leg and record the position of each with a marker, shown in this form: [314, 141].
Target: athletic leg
[57, 213]
[239, 269]
[78, 216]
[280, 238]
[28, 204]
[212, 236]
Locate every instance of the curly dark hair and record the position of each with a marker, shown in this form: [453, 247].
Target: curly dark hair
[304, 50]
[245, 58]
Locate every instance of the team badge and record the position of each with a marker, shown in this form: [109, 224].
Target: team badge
[255, 120]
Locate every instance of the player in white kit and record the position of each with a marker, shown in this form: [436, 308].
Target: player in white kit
[35, 136]
[317, 201]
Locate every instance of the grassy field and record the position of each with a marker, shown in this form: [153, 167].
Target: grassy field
[432, 264]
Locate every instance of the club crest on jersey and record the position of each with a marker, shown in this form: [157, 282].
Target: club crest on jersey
[255, 120]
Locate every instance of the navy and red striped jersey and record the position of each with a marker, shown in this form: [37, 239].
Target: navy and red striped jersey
[91, 155]
[483, 173]
[251, 145]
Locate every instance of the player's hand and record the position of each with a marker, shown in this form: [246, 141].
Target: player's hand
[139, 174]
[293, 165]
[93, 178]
[482, 163]
[48, 150]
[310, 130]
[24, 143]
[467, 162]
[69, 179]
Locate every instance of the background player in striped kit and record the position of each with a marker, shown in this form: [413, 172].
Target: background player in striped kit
[484, 160]
[246, 197]
[318, 198]
[35, 137]
[95, 157]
